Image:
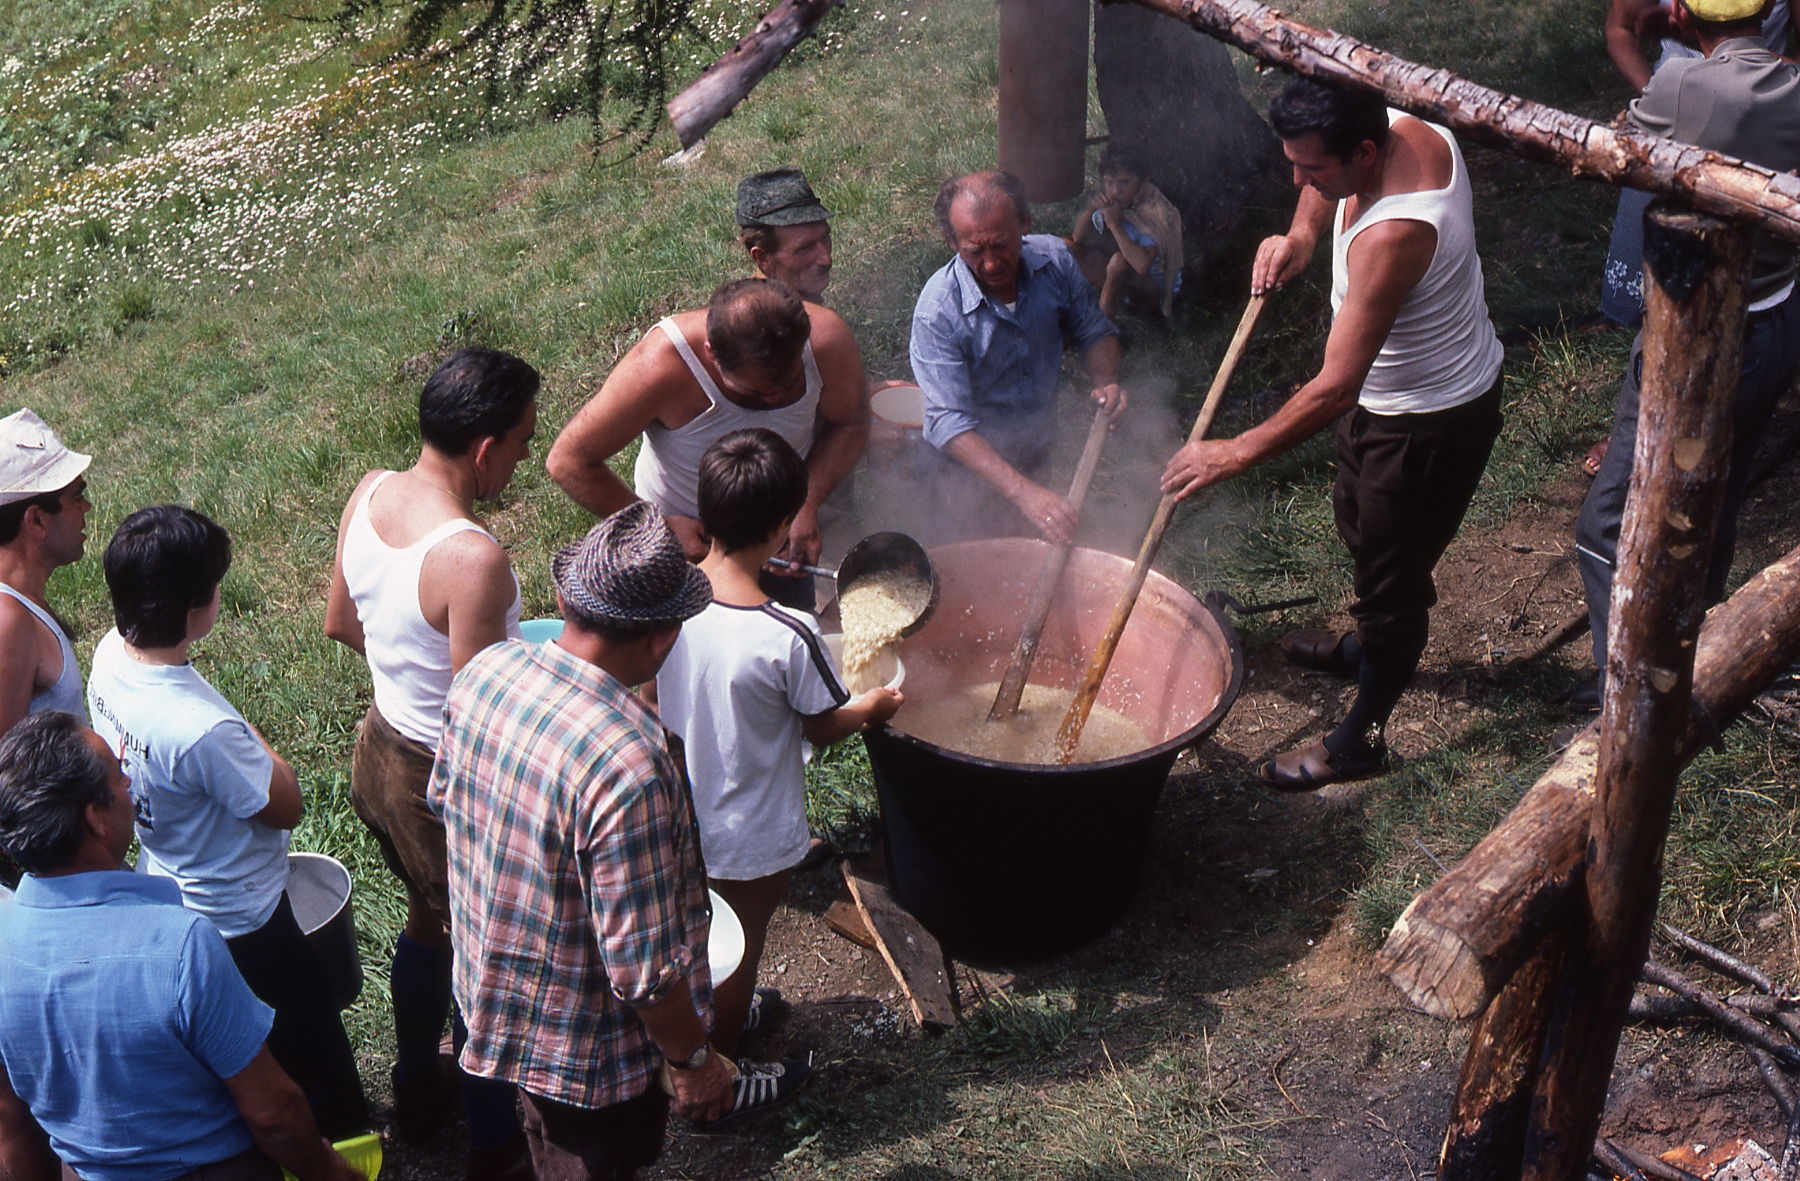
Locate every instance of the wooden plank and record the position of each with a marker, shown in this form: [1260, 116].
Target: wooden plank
[911, 952]
[846, 920]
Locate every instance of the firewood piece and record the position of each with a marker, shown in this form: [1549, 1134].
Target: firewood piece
[1790, 1153]
[846, 920]
[1654, 1165]
[912, 954]
[1655, 1007]
[1467, 933]
[1707, 181]
[725, 83]
[1695, 268]
[1730, 965]
[1774, 1080]
[1574, 624]
[1608, 1154]
[1745, 1027]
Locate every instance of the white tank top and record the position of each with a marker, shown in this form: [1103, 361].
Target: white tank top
[409, 660]
[66, 694]
[1442, 350]
[668, 464]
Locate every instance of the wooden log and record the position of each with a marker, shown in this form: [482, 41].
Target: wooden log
[912, 954]
[1037, 612]
[1468, 932]
[1485, 1139]
[1695, 272]
[1597, 151]
[725, 83]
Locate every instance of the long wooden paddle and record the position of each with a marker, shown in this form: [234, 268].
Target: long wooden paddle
[1083, 704]
[1018, 669]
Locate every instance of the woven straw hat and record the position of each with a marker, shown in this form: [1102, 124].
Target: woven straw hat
[630, 573]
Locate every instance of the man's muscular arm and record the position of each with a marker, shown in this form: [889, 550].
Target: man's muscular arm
[19, 658]
[468, 578]
[1624, 40]
[630, 400]
[840, 430]
[1386, 261]
[341, 621]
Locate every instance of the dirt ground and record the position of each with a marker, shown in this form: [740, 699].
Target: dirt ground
[1354, 1085]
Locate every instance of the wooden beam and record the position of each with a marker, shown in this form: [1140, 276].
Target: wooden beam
[912, 954]
[726, 83]
[1695, 269]
[1598, 151]
[1462, 938]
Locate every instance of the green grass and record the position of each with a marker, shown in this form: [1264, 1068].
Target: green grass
[261, 395]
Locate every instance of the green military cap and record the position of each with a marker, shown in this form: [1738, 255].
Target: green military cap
[778, 197]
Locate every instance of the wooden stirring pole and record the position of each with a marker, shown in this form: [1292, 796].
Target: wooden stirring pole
[1083, 704]
[1012, 686]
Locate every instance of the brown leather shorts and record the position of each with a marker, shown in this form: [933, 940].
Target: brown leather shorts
[388, 777]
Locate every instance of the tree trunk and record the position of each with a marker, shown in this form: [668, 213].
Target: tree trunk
[1042, 110]
[1695, 270]
[1706, 180]
[1173, 100]
[1464, 937]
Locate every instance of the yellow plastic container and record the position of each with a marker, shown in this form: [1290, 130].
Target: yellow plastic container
[363, 1153]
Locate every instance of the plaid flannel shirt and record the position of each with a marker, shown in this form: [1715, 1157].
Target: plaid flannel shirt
[576, 885]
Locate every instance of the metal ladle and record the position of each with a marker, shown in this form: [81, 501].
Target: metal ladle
[879, 553]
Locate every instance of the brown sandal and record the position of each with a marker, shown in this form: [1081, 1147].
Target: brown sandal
[1311, 767]
[1317, 648]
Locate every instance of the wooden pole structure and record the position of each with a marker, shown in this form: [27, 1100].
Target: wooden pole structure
[1037, 612]
[1705, 180]
[1041, 112]
[1695, 271]
[1068, 735]
[1462, 938]
[728, 81]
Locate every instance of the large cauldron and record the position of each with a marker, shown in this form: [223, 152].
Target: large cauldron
[1019, 860]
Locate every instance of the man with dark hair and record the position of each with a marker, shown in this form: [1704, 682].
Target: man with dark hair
[214, 801]
[43, 511]
[419, 586]
[1411, 377]
[1741, 100]
[577, 890]
[755, 356]
[130, 1047]
[784, 227]
[988, 335]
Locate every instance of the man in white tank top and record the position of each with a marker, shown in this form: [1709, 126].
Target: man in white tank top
[43, 510]
[1411, 377]
[418, 588]
[756, 355]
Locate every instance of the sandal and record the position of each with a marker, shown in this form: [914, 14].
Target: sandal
[1596, 455]
[1318, 648]
[1313, 766]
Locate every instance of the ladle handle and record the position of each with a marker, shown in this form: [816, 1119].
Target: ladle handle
[1069, 735]
[1024, 653]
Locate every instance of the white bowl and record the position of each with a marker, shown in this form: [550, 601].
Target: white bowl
[899, 403]
[725, 946]
[888, 663]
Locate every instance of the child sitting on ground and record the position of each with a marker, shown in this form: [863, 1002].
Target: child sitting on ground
[747, 679]
[1128, 239]
[214, 801]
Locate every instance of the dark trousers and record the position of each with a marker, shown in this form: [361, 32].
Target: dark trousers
[1771, 359]
[308, 1038]
[1404, 482]
[607, 1144]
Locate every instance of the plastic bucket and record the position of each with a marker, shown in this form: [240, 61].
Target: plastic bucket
[540, 631]
[319, 890]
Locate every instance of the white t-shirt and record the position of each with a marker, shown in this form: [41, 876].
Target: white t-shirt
[198, 775]
[735, 688]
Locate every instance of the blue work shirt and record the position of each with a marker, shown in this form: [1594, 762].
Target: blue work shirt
[120, 1015]
[985, 367]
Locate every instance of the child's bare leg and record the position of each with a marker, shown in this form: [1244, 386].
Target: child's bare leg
[1119, 276]
[755, 902]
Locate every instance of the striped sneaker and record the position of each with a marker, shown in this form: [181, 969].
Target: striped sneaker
[760, 1086]
[765, 1006]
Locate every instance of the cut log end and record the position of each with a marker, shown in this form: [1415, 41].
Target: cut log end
[1434, 969]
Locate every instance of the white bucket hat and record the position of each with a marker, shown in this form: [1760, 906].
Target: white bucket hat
[33, 460]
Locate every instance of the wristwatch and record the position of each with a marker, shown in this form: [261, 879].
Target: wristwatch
[695, 1060]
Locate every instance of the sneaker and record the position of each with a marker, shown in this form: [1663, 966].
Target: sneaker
[765, 1006]
[762, 1085]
